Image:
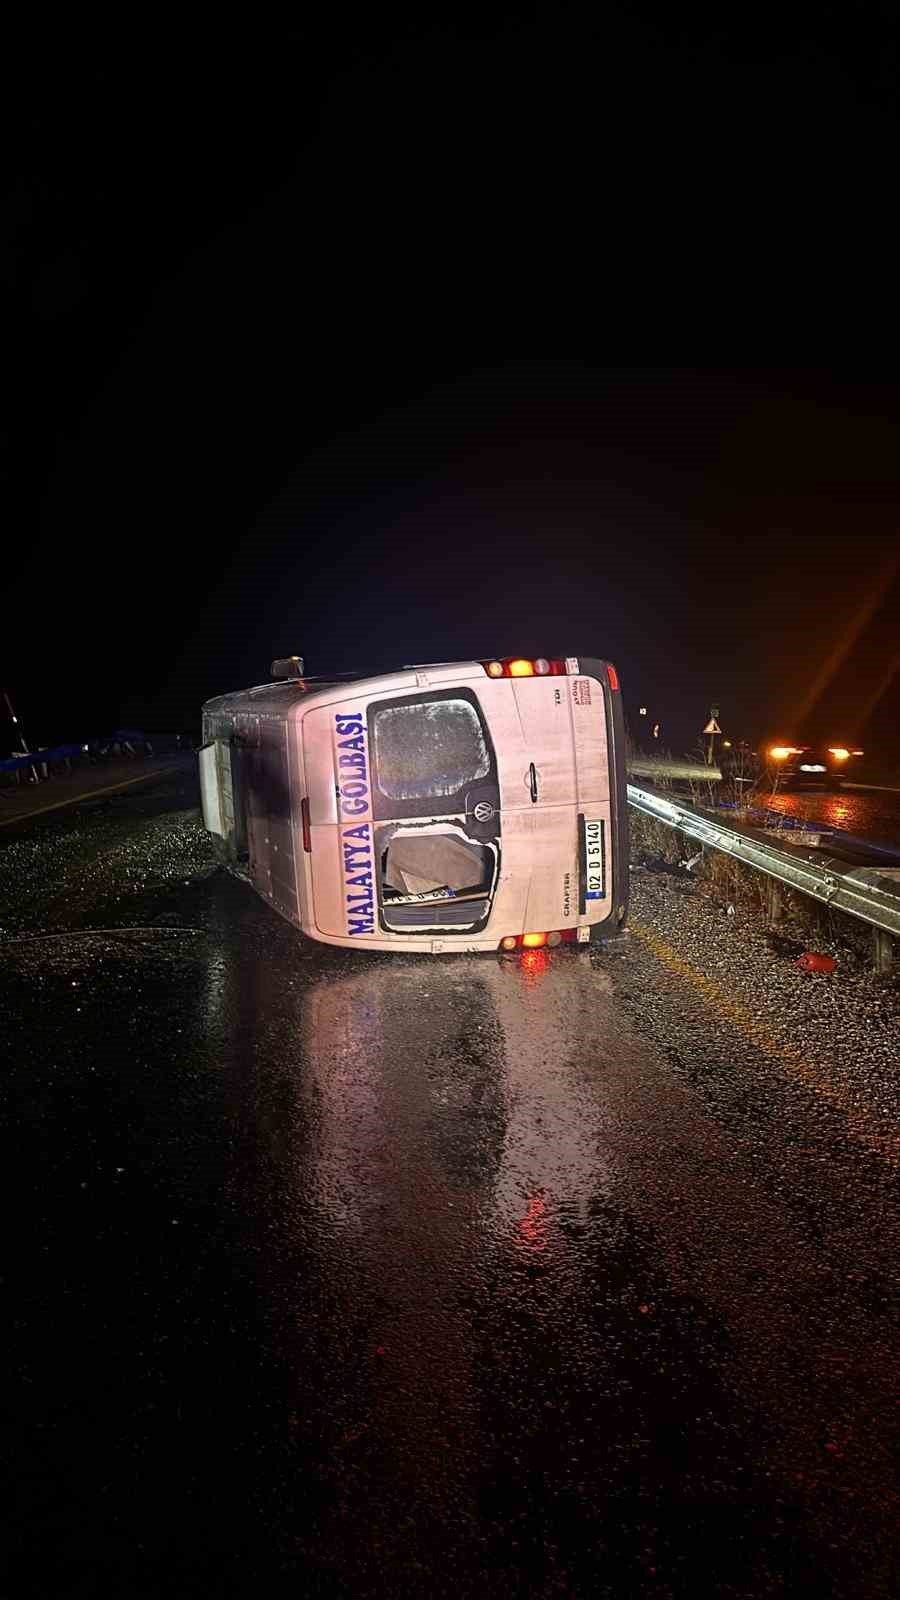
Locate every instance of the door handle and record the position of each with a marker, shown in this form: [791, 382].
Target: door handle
[532, 782]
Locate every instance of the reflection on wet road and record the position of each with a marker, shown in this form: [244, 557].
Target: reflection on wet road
[868, 814]
[370, 1276]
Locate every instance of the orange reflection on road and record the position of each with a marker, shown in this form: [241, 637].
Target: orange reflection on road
[819, 808]
[533, 1226]
[534, 965]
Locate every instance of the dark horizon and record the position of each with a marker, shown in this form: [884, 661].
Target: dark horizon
[263, 404]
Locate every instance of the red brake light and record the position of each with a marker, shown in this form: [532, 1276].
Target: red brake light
[613, 677]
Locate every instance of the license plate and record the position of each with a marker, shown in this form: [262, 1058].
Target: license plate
[595, 859]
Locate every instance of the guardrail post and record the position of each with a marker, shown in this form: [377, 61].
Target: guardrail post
[773, 904]
[882, 952]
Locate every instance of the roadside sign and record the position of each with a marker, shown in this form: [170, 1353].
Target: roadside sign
[712, 726]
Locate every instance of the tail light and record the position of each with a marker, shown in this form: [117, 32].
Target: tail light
[780, 752]
[525, 667]
[612, 676]
[839, 753]
[537, 941]
[304, 821]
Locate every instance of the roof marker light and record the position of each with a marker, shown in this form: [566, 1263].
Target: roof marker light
[525, 667]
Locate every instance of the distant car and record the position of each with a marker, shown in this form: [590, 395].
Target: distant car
[810, 765]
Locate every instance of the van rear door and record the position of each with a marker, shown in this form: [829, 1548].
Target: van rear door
[555, 756]
[531, 724]
[404, 811]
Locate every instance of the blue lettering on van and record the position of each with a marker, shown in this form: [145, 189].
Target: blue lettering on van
[356, 848]
[353, 775]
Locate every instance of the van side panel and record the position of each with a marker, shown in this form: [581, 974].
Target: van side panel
[270, 826]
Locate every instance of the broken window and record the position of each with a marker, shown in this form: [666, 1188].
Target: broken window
[418, 862]
[428, 748]
[436, 879]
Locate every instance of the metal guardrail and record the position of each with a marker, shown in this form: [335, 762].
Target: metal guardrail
[867, 893]
[666, 767]
[53, 755]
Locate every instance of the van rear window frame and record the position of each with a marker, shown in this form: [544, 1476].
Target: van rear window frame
[386, 809]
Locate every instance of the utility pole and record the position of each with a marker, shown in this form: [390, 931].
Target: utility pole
[21, 737]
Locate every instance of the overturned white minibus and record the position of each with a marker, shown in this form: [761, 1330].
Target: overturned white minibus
[468, 805]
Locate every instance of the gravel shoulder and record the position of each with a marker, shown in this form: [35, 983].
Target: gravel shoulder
[835, 1036]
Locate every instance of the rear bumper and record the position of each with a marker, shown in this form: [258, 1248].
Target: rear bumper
[811, 780]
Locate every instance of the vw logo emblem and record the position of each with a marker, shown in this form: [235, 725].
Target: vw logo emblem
[484, 811]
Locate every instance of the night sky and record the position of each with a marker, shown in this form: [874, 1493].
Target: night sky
[548, 335]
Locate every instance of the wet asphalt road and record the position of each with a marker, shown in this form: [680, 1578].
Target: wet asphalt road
[339, 1275]
[872, 814]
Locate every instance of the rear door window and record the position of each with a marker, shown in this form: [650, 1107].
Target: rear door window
[430, 753]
